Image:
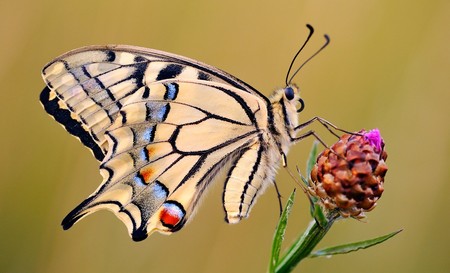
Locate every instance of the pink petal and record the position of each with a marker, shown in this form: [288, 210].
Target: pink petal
[374, 138]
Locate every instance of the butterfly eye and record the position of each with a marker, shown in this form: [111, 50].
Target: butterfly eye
[289, 93]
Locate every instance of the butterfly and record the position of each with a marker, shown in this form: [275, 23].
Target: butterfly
[163, 127]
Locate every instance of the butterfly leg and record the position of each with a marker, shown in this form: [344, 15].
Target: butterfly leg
[325, 123]
[310, 133]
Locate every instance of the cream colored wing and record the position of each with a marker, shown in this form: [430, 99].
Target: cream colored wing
[163, 127]
[86, 87]
[166, 145]
[249, 174]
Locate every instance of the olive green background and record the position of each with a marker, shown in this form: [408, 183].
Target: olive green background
[387, 66]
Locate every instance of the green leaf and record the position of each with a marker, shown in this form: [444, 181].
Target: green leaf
[303, 246]
[311, 159]
[279, 233]
[342, 249]
[319, 216]
[315, 211]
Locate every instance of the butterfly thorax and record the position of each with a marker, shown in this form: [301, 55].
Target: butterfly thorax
[284, 104]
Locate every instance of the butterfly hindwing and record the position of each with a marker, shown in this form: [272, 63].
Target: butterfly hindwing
[166, 144]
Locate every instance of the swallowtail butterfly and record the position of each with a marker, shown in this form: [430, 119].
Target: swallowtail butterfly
[163, 126]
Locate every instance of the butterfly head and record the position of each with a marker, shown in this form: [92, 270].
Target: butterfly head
[289, 99]
[292, 96]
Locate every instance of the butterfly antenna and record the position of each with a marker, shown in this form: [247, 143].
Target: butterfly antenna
[311, 31]
[327, 41]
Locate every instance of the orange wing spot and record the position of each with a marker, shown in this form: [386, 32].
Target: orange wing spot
[147, 174]
[150, 151]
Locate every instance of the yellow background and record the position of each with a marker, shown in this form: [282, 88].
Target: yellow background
[387, 66]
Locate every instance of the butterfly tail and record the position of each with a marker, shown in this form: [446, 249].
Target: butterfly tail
[76, 214]
[110, 199]
[133, 208]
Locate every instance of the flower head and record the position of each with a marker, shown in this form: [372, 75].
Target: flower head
[349, 177]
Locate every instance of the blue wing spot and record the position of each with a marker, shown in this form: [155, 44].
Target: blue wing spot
[162, 113]
[171, 91]
[160, 191]
[149, 134]
[139, 180]
[157, 112]
[144, 155]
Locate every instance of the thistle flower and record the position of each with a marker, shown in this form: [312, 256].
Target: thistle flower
[349, 177]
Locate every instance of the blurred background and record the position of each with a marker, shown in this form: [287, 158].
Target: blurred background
[387, 66]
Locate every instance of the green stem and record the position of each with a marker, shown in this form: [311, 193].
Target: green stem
[303, 246]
